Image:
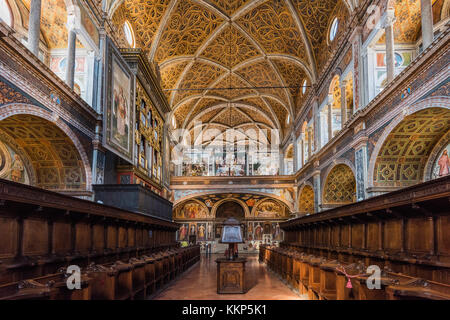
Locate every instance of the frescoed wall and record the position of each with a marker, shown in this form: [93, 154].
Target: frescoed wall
[12, 165]
[260, 216]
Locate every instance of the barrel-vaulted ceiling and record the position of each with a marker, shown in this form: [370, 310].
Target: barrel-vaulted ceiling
[207, 46]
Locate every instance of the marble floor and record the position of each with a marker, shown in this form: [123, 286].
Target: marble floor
[200, 283]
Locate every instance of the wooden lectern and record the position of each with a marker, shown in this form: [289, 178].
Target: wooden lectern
[231, 275]
[231, 269]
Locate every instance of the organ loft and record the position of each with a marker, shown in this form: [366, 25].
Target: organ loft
[224, 149]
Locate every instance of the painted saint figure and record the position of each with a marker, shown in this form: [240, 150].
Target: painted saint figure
[201, 231]
[17, 169]
[183, 232]
[444, 164]
[258, 232]
[120, 110]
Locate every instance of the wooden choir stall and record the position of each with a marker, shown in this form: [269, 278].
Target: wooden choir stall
[120, 254]
[394, 246]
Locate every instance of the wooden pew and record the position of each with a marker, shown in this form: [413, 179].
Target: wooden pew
[138, 278]
[314, 277]
[419, 289]
[328, 280]
[345, 290]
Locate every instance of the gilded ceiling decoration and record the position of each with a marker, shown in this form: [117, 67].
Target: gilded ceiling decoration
[230, 48]
[403, 156]
[271, 24]
[214, 44]
[200, 75]
[189, 25]
[234, 82]
[53, 156]
[340, 186]
[229, 7]
[317, 17]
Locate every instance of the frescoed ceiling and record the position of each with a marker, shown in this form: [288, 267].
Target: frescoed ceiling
[408, 20]
[53, 156]
[262, 49]
[53, 22]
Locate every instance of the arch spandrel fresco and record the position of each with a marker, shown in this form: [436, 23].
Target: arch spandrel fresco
[270, 209]
[191, 210]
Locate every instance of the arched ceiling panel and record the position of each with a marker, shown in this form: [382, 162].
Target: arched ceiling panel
[316, 16]
[260, 74]
[54, 157]
[200, 75]
[234, 82]
[274, 44]
[183, 110]
[258, 102]
[272, 26]
[231, 117]
[294, 77]
[146, 17]
[169, 75]
[188, 26]
[402, 158]
[230, 48]
[229, 7]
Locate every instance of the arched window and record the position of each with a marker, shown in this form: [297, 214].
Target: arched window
[5, 13]
[129, 35]
[305, 83]
[334, 29]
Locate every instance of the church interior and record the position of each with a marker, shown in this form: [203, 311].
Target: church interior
[224, 150]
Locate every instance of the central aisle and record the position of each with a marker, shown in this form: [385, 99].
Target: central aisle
[200, 283]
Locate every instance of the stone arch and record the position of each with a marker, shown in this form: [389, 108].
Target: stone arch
[392, 163]
[216, 206]
[306, 199]
[340, 185]
[63, 138]
[199, 194]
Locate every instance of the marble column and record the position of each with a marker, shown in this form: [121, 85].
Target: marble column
[317, 191]
[356, 40]
[302, 151]
[281, 161]
[427, 22]
[316, 115]
[361, 167]
[390, 50]
[309, 143]
[343, 84]
[34, 27]
[330, 117]
[295, 156]
[70, 66]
